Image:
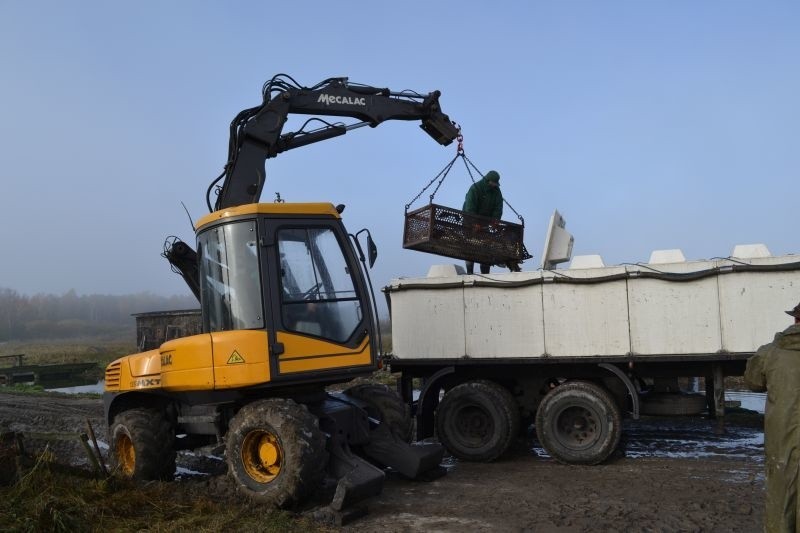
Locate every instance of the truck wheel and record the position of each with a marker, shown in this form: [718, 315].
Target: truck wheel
[389, 407]
[276, 451]
[579, 423]
[142, 445]
[477, 420]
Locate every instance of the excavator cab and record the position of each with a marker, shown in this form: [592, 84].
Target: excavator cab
[288, 270]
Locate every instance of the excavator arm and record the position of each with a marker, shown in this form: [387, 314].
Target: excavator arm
[257, 133]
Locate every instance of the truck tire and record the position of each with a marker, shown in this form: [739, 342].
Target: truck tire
[579, 422]
[275, 451]
[477, 420]
[388, 406]
[142, 445]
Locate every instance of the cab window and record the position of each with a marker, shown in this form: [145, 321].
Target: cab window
[230, 283]
[318, 296]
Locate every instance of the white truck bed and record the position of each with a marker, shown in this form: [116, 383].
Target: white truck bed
[674, 309]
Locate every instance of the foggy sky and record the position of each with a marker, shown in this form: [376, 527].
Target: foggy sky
[648, 125]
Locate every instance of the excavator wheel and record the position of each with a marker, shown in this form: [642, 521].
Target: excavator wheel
[276, 451]
[389, 407]
[142, 445]
[477, 420]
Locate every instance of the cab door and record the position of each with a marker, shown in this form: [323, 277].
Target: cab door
[321, 314]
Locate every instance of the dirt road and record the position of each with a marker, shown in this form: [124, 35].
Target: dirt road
[526, 493]
[676, 476]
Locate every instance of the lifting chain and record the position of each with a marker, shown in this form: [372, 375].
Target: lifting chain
[443, 174]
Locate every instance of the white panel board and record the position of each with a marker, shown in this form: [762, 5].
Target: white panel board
[504, 322]
[669, 317]
[731, 311]
[752, 305]
[587, 319]
[428, 323]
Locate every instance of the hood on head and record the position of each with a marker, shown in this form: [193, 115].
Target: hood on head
[492, 176]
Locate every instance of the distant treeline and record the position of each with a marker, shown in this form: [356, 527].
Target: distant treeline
[47, 316]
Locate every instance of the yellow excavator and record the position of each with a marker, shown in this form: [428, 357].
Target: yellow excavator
[287, 309]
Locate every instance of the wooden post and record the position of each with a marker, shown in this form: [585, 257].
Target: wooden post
[96, 447]
[89, 453]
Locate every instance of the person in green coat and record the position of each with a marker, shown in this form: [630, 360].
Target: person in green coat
[775, 368]
[484, 198]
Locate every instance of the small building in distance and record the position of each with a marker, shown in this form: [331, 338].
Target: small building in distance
[155, 328]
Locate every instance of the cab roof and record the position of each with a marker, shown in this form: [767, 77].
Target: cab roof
[275, 209]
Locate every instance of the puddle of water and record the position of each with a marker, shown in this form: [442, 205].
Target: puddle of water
[671, 439]
[739, 445]
[754, 401]
[181, 472]
[96, 388]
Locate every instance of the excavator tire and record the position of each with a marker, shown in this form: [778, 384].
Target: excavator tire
[579, 422]
[142, 445]
[276, 451]
[389, 407]
[477, 420]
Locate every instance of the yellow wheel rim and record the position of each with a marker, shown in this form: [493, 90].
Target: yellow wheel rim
[126, 455]
[262, 456]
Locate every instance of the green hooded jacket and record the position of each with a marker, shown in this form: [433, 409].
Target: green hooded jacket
[776, 368]
[483, 199]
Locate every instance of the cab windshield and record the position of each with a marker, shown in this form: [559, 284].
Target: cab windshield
[230, 282]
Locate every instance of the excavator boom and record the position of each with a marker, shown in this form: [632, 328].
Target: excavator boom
[257, 133]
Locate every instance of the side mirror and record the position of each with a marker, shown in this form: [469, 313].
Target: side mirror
[372, 250]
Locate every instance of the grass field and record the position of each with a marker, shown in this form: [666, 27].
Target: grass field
[95, 350]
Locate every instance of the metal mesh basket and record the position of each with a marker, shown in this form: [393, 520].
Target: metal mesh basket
[452, 233]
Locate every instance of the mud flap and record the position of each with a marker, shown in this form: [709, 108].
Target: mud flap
[358, 479]
[412, 461]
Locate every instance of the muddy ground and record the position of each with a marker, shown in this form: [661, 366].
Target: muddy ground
[676, 475]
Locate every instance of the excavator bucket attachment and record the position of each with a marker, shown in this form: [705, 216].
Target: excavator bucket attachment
[346, 421]
[358, 479]
[412, 461]
[360, 483]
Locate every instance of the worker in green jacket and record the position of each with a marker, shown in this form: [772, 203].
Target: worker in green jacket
[485, 199]
[776, 368]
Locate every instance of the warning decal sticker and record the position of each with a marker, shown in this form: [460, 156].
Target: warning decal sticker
[235, 358]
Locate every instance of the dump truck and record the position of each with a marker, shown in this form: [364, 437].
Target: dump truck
[572, 351]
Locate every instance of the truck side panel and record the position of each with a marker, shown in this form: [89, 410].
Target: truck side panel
[665, 310]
